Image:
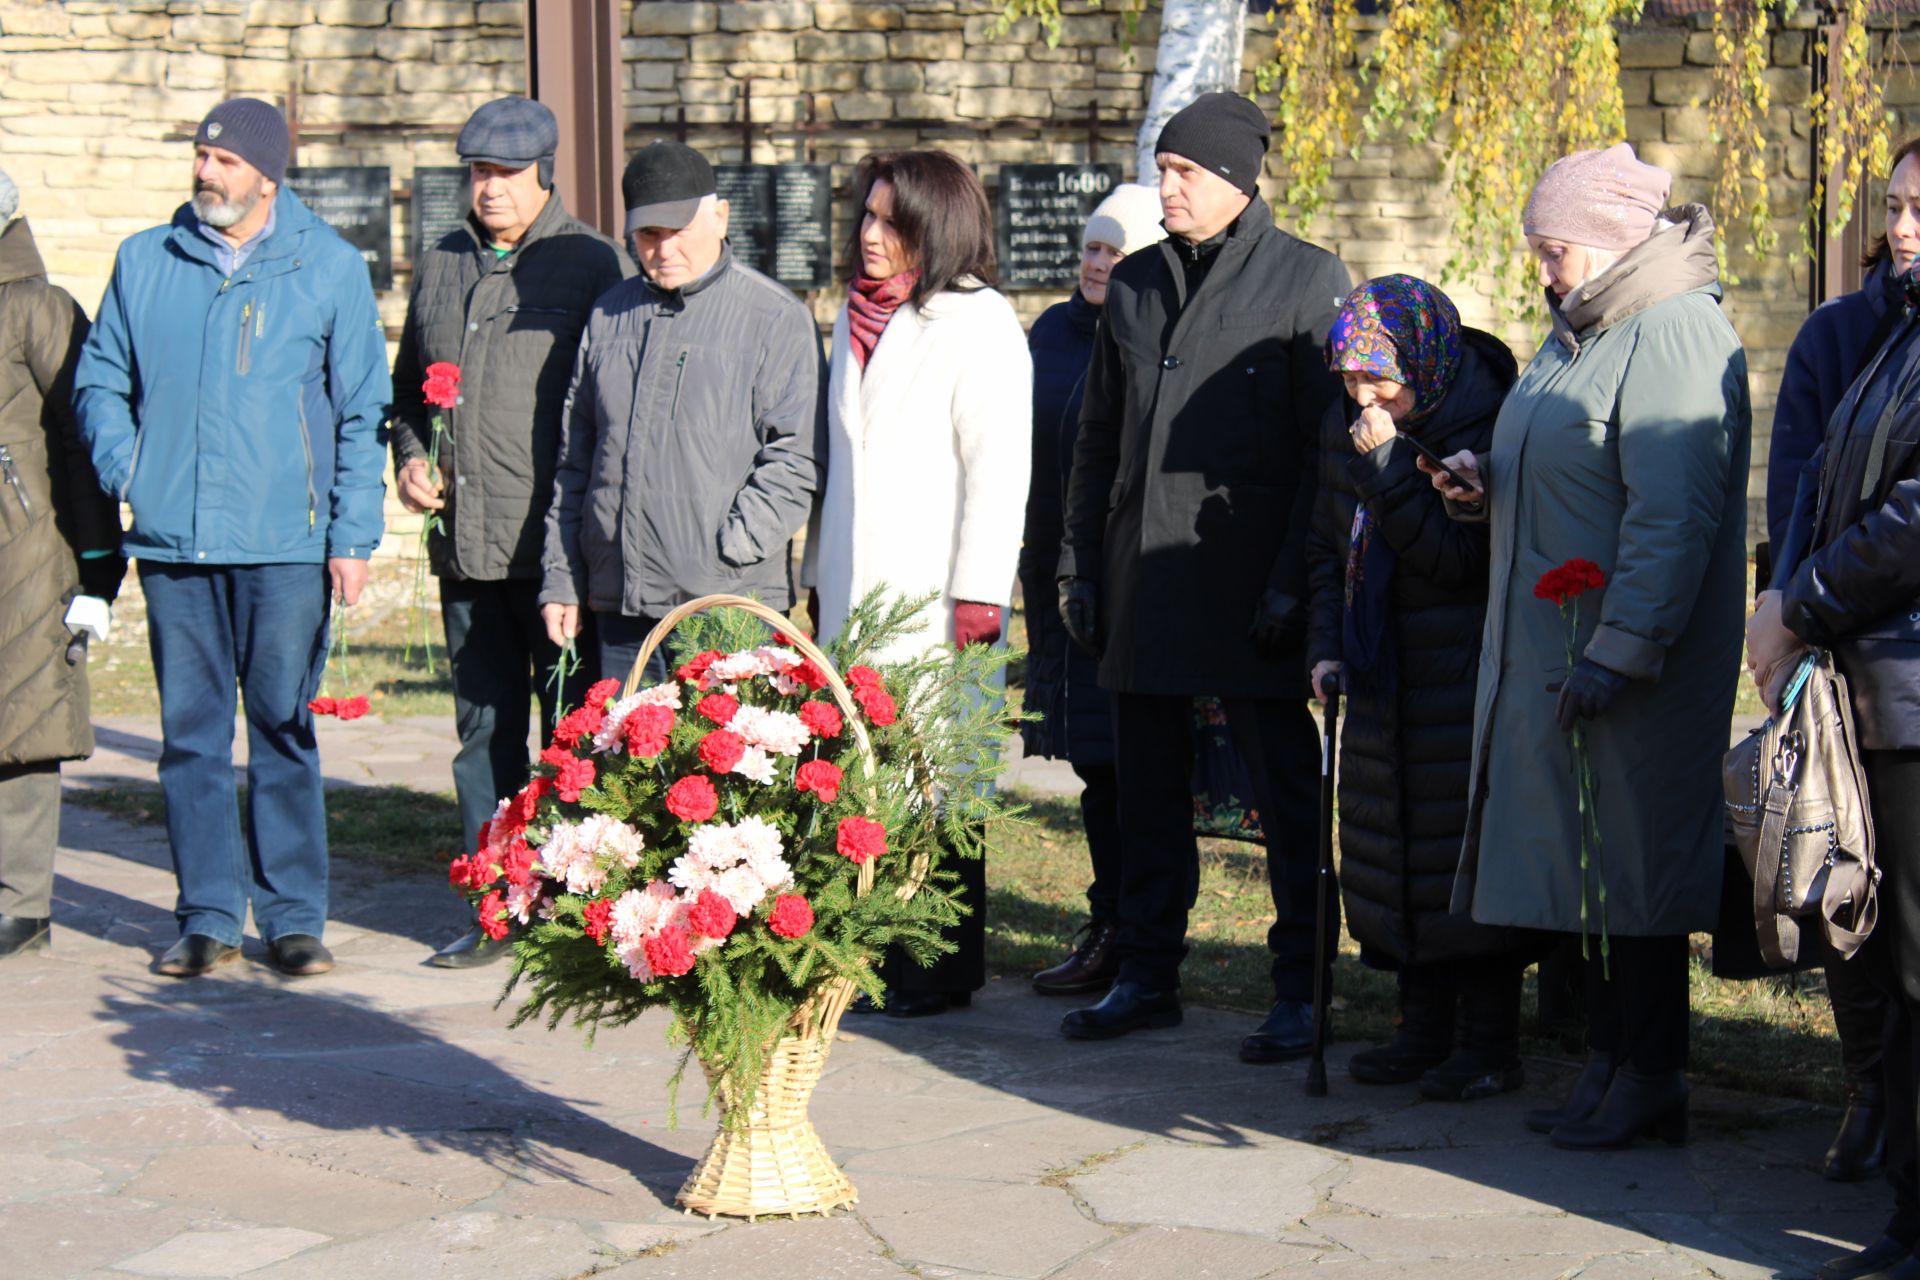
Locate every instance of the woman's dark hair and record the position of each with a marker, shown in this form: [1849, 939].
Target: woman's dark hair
[1879, 252]
[940, 210]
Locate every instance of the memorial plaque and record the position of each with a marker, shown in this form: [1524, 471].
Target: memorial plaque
[442, 194]
[356, 201]
[1038, 218]
[780, 220]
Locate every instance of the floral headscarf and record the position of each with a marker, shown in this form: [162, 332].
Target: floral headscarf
[1403, 329]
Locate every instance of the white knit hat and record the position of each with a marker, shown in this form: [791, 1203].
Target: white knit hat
[9, 197]
[1128, 219]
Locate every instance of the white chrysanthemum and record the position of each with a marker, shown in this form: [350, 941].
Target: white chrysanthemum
[638, 914]
[755, 765]
[779, 658]
[780, 732]
[742, 886]
[735, 667]
[522, 899]
[612, 841]
[690, 875]
[634, 956]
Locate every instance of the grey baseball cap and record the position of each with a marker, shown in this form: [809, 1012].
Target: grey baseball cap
[664, 185]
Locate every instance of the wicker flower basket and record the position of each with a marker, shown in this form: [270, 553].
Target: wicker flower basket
[769, 1161]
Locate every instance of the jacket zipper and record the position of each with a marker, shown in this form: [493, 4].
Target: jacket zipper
[13, 480]
[306, 447]
[679, 376]
[243, 356]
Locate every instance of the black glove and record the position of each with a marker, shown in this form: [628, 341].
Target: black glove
[1587, 693]
[101, 575]
[1080, 611]
[1279, 625]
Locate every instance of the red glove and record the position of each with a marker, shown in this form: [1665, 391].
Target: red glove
[975, 623]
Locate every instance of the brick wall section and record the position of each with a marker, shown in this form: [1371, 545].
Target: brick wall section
[96, 97]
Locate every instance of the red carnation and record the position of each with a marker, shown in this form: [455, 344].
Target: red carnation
[1569, 581]
[599, 914]
[711, 915]
[722, 749]
[469, 872]
[860, 839]
[555, 756]
[647, 729]
[670, 952]
[575, 776]
[819, 777]
[862, 677]
[877, 703]
[692, 799]
[600, 691]
[486, 836]
[493, 916]
[352, 708]
[517, 866]
[718, 707]
[323, 706]
[822, 718]
[809, 674]
[442, 386]
[792, 916]
[526, 805]
[581, 722]
[695, 672]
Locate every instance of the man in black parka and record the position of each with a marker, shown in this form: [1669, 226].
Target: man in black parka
[1184, 564]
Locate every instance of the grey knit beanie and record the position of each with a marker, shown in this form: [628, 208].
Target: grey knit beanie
[251, 129]
[9, 197]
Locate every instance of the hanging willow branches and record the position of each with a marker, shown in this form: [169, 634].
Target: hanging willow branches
[1502, 87]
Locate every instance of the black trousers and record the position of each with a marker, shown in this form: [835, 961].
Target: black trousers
[1860, 1016]
[1637, 1008]
[1100, 815]
[620, 636]
[1892, 960]
[498, 649]
[1160, 860]
[964, 969]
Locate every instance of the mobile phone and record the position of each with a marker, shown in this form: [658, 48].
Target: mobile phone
[1434, 458]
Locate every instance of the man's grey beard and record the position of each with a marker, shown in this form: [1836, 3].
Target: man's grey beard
[221, 214]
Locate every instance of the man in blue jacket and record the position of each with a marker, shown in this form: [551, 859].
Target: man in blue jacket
[233, 393]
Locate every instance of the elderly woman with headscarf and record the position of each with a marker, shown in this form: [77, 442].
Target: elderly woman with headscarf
[1075, 715]
[1624, 444]
[1399, 598]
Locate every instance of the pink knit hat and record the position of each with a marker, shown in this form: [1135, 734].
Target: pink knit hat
[1602, 199]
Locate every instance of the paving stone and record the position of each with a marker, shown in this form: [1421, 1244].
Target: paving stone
[1223, 1188]
[977, 1226]
[24, 1173]
[253, 1185]
[157, 1127]
[1189, 1254]
[1807, 1237]
[1726, 1255]
[836, 1248]
[459, 1246]
[458, 1177]
[221, 1253]
[1020, 1152]
[1472, 1269]
[1486, 1236]
[1492, 1180]
[1642, 1266]
[80, 1234]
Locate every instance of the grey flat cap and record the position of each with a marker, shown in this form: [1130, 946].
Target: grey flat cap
[514, 132]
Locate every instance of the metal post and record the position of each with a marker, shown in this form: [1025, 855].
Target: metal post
[574, 67]
[1837, 268]
[1093, 132]
[746, 122]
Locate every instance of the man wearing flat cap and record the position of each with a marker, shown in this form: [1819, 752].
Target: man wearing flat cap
[233, 392]
[1184, 564]
[688, 454]
[504, 297]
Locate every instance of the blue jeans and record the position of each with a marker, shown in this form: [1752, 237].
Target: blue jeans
[264, 628]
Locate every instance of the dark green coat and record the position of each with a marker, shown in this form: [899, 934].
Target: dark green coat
[50, 507]
[513, 325]
[1624, 443]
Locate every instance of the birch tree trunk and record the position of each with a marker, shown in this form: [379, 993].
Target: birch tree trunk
[1200, 49]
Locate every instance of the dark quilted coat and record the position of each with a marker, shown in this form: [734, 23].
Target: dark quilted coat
[513, 325]
[50, 506]
[1407, 741]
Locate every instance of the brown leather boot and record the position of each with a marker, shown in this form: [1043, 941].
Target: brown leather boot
[1093, 966]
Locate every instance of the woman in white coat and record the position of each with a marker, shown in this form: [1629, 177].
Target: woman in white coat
[929, 436]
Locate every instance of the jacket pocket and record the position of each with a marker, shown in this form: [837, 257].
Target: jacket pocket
[306, 449]
[16, 508]
[252, 319]
[679, 381]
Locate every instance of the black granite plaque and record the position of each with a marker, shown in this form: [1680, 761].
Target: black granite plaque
[1038, 217]
[356, 201]
[442, 195]
[780, 220]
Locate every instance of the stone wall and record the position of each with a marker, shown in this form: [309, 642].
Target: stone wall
[98, 97]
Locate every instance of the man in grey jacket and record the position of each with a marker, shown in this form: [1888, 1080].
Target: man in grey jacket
[688, 455]
[504, 297]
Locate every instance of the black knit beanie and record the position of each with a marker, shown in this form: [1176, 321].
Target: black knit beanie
[1223, 133]
[251, 129]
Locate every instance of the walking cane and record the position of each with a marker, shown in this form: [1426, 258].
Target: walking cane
[1323, 886]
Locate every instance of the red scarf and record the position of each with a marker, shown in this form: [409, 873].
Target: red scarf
[870, 304]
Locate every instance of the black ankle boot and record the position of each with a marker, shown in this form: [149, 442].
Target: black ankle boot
[1860, 1148]
[1636, 1105]
[1487, 1060]
[1422, 1037]
[1588, 1089]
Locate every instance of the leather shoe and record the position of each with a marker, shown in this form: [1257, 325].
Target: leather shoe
[1093, 966]
[1860, 1148]
[1871, 1263]
[471, 950]
[1286, 1034]
[300, 955]
[924, 1004]
[195, 954]
[1588, 1089]
[1635, 1105]
[1127, 1007]
[24, 933]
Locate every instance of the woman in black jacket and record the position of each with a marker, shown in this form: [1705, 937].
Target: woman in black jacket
[1399, 598]
[1076, 716]
[1850, 582]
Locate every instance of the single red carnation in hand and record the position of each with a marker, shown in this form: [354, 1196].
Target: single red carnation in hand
[722, 749]
[877, 703]
[575, 776]
[792, 916]
[692, 799]
[822, 718]
[820, 777]
[695, 671]
[862, 677]
[600, 692]
[352, 708]
[493, 916]
[647, 729]
[599, 914]
[860, 839]
[718, 707]
[1569, 581]
[809, 674]
[323, 706]
[442, 385]
[670, 952]
[711, 915]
